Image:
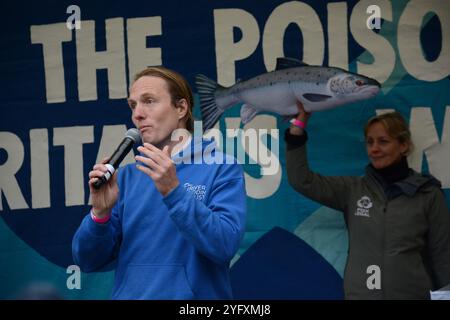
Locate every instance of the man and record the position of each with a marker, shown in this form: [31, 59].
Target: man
[172, 228]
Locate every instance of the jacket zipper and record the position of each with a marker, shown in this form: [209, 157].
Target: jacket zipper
[384, 250]
[383, 234]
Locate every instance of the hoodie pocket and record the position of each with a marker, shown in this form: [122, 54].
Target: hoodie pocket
[155, 281]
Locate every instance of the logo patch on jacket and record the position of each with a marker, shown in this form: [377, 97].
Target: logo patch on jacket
[198, 191]
[364, 204]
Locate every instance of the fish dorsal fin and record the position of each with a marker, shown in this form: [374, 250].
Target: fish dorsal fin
[285, 63]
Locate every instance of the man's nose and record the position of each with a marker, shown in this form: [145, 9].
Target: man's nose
[138, 113]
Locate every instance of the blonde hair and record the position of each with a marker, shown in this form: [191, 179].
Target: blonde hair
[178, 89]
[396, 127]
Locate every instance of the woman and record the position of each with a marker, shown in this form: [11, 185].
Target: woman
[397, 219]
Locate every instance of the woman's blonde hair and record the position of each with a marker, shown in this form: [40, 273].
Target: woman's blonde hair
[396, 127]
[178, 89]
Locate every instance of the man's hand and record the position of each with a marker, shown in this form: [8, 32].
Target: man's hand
[103, 199]
[160, 167]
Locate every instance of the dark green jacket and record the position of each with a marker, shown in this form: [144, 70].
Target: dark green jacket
[407, 236]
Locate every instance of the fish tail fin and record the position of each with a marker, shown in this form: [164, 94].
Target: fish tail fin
[206, 89]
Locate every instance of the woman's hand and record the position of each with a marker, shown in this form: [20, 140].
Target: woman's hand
[303, 117]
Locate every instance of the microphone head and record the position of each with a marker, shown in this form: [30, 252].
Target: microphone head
[134, 135]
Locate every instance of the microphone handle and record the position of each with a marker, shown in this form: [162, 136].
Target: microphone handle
[114, 162]
[121, 151]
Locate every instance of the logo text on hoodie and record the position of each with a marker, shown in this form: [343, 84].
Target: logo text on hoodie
[364, 204]
[197, 190]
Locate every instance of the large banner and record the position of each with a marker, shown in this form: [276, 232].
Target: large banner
[66, 69]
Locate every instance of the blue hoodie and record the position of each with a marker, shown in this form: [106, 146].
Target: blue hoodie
[173, 247]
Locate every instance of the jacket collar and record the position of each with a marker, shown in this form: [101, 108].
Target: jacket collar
[408, 186]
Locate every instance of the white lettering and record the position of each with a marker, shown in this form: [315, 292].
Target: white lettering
[410, 47]
[51, 36]
[374, 280]
[40, 171]
[74, 20]
[139, 56]
[307, 20]
[425, 138]
[9, 186]
[73, 138]
[337, 35]
[379, 47]
[112, 59]
[374, 20]
[228, 51]
[269, 182]
[74, 280]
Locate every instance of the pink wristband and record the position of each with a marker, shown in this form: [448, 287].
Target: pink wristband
[99, 220]
[298, 123]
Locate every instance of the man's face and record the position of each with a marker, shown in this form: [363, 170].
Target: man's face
[152, 110]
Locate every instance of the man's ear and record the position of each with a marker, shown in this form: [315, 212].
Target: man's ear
[182, 108]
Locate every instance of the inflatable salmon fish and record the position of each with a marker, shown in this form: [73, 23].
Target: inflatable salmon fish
[318, 88]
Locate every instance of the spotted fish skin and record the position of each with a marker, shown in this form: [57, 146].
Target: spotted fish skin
[318, 88]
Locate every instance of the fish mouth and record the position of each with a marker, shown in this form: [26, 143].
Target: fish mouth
[369, 90]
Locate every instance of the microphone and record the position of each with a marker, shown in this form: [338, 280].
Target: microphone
[131, 137]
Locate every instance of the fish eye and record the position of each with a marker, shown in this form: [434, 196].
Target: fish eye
[359, 83]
